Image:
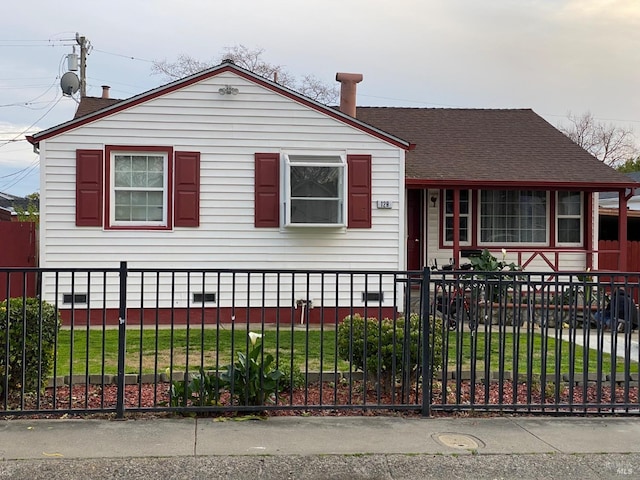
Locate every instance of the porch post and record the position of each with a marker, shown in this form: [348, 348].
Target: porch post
[456, 227]
[589, 231]
[622, 231]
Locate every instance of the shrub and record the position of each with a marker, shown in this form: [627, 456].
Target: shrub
[32, 326]
[291, 379]
[385, 342]
[202, 389]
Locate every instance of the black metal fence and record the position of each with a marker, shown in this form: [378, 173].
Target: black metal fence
[564, 342]
[318, 342]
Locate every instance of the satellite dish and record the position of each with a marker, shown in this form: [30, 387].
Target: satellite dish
[69, 83]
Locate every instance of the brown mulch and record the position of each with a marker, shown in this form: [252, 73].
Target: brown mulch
[86, 401]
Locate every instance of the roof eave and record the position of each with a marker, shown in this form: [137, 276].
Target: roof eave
[535, 184]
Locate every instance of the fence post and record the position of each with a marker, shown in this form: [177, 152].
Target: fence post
[426, 343]
[122, 344]
[406, 345]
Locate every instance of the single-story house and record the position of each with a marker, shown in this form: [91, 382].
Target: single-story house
[8, 204]
[608, 212]
[227, 169]
[498, 179]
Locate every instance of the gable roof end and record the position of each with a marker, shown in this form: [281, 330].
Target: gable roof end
[226, 66]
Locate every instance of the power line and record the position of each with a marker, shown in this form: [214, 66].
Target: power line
[18, 172]
[39, 96]
[130, 57]
[25, 105]
[26, 173]
[33, 124]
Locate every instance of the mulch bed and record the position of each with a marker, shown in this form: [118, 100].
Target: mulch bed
[86, 401]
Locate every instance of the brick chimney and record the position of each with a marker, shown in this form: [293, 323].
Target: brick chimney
[105, 91]
[348, 83]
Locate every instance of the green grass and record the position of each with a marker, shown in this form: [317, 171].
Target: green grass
[526, 354]
[148, 353]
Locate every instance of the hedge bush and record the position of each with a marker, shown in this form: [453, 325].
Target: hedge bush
[32, 328]
[385, 345]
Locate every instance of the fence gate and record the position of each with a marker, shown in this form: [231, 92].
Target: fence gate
[17, 249]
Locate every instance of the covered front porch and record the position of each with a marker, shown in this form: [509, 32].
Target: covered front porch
[540, 228]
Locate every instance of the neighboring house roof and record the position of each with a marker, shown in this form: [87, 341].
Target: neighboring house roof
[608, 201]
[9, 202]
[117, 106]
[612, 195]
[93, 104]
[490, 148]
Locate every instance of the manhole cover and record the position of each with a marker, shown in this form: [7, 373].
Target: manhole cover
[458, 440]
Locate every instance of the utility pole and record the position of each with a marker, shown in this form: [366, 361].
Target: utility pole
[85, 46]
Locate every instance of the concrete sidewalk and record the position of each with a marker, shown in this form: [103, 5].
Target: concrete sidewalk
[322, 447]
[611, 342]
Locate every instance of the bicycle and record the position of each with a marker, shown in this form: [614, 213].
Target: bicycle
[452, 303]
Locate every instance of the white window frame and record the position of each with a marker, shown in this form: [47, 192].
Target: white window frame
[315, 159]
[467, 215]
[113, 189]
[579, 217]
[513, 243]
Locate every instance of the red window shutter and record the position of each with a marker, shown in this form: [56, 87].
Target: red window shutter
[89, 187]
[267, 190]
[359, 191]
[187, 189]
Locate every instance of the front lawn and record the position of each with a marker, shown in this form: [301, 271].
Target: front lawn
[150, 351]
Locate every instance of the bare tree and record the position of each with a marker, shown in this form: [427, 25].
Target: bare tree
[252, 60]
[610, 143]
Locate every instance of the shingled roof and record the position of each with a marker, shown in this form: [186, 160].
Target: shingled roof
[465, 147]
[93, 104]
[490, 147]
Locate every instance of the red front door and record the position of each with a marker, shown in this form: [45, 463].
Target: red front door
[414, 229]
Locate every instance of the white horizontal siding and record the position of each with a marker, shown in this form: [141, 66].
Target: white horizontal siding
[227, 131]
[256, 290]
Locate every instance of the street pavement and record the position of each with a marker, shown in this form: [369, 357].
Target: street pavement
[322, 448]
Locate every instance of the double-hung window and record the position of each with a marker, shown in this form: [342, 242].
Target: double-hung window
[315, 190]
[569, 226]
[464, 216]
[139, 190]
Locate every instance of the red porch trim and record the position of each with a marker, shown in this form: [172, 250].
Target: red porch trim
[622, 230]
[516, 184]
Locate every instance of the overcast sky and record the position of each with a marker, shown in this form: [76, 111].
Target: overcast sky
[554, 56]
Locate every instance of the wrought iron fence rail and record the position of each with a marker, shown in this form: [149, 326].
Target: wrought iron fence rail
[145, 340]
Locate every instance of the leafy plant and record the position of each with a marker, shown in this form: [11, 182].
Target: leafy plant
[28, 327]
[32, 212]
[385, 355]
[292, 378]
[253, 379]
[498, 282]
[203, 389]
[487, 262]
